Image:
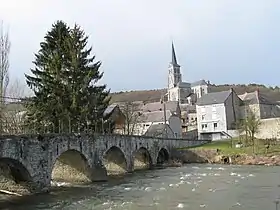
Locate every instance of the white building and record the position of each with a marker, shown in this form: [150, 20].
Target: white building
[183, 92]
[217, 115]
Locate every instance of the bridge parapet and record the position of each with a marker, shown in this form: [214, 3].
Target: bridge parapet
[32, 157]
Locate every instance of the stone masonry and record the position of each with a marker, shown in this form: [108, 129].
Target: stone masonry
[34, 156]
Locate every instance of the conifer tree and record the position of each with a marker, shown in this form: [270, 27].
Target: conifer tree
[88, 100]
[46, 108]
[64, 83]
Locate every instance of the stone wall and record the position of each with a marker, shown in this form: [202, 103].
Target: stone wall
[269, 128]
[79, 157]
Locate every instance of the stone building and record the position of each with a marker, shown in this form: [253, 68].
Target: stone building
[217, 115]
[184, 92]
[260, 105]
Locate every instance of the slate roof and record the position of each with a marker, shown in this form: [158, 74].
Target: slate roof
[156, 116]
[110, 109]
[188, 108]
[156, 129]
[158, 106]
[184, 85]
[198, 83]
[213, 98]
[174, 59]
[256, 98]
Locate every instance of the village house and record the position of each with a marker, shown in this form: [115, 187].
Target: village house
[114, 114]
[151, 119]
[217, 115]
[259, 104]
[148, 119]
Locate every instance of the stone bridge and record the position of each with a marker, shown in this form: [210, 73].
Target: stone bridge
[31, 159]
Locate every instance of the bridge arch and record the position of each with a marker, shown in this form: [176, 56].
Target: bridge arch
[142, 159]
[162, 156]
[115, 161]
[14, 176]
[71, 166]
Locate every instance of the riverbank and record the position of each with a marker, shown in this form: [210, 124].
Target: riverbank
[226, 152]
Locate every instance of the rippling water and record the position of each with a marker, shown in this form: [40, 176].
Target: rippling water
[213, 187]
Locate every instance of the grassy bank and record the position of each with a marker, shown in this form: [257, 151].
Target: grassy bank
[227, 147]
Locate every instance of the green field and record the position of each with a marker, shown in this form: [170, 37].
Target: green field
[225, 146]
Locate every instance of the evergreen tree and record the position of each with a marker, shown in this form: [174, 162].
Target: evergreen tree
[46, 108]
[64, 84]
[88, 100]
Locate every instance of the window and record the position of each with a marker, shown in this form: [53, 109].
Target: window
[215, 125]
[204, 126]
[213, 109]
[203, 109]
[203, 117]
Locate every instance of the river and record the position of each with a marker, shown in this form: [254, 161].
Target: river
[211, 187]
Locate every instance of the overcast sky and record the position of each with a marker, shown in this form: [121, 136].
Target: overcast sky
[224, 41]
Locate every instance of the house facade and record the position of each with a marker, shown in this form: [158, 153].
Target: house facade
[149, 119]
[217, 115]
[260, 105]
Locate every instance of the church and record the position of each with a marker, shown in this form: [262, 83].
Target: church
[183, 92]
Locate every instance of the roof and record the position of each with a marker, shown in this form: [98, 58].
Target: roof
[158, 106]
[199, 83]
[110, 109]
[213, 98]
[256, 98]
[174, 59]
[184, 85]
[157, 116]
[188, 108]
[156, 129]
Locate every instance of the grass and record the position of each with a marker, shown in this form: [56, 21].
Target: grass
[226, 148]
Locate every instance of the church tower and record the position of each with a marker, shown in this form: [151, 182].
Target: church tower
[174, 74]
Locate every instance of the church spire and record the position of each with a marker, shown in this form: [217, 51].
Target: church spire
[174, 59]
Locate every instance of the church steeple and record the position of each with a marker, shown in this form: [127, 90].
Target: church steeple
[174, 59]
[174, 74]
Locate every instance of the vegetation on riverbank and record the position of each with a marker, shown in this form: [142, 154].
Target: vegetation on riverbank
[262, 152]
[228, 147]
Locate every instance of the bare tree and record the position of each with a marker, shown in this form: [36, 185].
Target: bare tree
[132, 117]
[4, 66]
[13, 109]
[251, 125]
[4, 60]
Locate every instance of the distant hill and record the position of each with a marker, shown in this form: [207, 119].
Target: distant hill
[272, 93]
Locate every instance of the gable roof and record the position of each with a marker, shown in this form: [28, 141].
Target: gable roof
[213, 98]
[188, 108]
[158, 106]
[157, 116]
[183, 85]
[199, 83]
[157, 130]
[256, 98]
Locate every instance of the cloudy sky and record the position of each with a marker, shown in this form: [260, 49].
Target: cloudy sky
[224, 41]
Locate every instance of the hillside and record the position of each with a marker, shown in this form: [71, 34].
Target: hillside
[155, 95]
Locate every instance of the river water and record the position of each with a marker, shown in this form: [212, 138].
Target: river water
[211, 187]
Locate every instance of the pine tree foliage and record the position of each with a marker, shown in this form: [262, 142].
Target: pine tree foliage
[64, 79]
